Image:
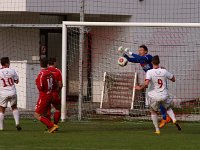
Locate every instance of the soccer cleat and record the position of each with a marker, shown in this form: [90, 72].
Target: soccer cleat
[177, 125]
[168, 119]
[18, 127]
[157, 132]
[52, 129]
[162, 123]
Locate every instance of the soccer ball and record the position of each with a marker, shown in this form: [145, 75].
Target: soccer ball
[122, 61]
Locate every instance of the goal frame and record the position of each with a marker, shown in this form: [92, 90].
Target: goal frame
[66, 24]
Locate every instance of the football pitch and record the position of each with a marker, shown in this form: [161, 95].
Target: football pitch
[99, 135]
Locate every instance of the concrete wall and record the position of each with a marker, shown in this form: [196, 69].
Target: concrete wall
[27, 93]
[19, 44]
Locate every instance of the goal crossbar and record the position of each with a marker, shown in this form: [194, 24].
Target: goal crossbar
[129, 24]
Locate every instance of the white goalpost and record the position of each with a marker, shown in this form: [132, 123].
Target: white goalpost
[162, 38]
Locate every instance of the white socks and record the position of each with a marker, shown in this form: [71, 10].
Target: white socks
[154, 118]
[16, 116]
[1, 121]
[171, 114]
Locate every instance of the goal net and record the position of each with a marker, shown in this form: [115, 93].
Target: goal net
[106, 89]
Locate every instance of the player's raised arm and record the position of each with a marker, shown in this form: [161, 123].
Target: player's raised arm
[131, 59]
[137, 58]
[141, 57]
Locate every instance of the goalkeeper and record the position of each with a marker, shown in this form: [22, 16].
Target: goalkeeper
[145, 61]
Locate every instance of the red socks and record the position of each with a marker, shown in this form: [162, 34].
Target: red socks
[57, 115]
[46, 121]
[49, 114]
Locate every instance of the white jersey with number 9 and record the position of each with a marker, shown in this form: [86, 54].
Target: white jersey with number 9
[158, 80]
[8, 76]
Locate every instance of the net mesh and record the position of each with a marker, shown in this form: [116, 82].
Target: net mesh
[178, 48]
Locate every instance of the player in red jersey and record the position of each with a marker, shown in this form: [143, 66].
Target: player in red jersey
[56, 101]
[46, 83]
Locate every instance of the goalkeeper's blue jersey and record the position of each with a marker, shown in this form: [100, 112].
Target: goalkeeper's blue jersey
[145, 61]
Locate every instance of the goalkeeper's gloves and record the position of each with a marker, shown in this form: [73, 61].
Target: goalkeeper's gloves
[124, 50]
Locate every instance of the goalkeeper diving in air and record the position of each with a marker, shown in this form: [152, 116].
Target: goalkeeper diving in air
[144, 59]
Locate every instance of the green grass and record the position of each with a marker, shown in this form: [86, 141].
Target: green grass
[100, 135]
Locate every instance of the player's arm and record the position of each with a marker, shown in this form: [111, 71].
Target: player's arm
[173, 79]
[131, 59]
[144, 86]
[38, 82]
[145, 58]
[146, 83]
[137, 58]
[170, 76]
[16, 77]
[59, 79]
[60, 83]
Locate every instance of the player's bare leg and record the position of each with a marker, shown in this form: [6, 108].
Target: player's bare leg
[172, 116]
[2, 111]
[154, 118]
[15, 112]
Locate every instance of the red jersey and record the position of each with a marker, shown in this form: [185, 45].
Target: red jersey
[57, 74]
[45, 81]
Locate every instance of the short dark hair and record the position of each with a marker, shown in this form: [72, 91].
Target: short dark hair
[52, 60]
[156, 60]
[44, 62]
[144, 47]
[4, 61]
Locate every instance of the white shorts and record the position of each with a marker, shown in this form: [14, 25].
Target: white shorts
[4, 100]
[157, 99]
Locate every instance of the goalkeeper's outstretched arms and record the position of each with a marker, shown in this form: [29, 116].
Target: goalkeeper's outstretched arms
[131, 59]
[135, 58]
[141, 57]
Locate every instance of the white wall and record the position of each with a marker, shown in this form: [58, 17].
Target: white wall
[27, 93]
[13, 5]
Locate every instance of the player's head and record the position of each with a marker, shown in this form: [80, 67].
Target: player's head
[143, 50]
[44, 62]
[156, 60]
[5, 62]
[52, 61]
